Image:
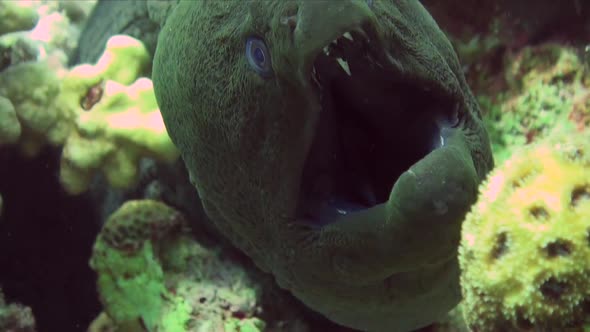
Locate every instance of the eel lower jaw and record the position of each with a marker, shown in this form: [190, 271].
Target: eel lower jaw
[374, 125]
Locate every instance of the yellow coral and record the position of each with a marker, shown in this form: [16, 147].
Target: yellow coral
[32, 88]
[525, 250]
[115, 124]
[122, 127]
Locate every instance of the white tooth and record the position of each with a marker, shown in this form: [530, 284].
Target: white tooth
[442, 141]
[348, 36]
[314, 75]
[344, 65]
[326, 51]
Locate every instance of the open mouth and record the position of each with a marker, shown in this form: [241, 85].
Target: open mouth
[375, 123]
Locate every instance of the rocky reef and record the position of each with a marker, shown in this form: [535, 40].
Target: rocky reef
[101, 229]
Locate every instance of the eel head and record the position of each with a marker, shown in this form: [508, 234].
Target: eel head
[334, 142]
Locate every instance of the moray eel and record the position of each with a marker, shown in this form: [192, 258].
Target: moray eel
[334, 142]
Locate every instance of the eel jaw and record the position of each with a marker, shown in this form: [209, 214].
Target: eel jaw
[375, 123]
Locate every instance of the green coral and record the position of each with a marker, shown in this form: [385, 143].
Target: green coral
[17, 16]
[246, 325]
[177, 316]
[544, 81]
[131, 287]
[32, 88]
[525, 250]
[526, 117]
[120, 129]
[10, 129]
[130, 277]
[152, 274]
[105, 115]
[547, 63]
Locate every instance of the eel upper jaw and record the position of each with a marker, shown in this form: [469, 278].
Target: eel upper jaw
[374, 124]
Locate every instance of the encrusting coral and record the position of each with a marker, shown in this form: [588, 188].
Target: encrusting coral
[153, 276]
[545, 85]
[525, 248]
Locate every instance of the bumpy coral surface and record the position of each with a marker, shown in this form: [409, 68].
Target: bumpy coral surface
[544, 86]
[17, 16]
[525, 250]
[10, 129]
[152, 275]
[32, 88]
[15, 317]
[117, 118]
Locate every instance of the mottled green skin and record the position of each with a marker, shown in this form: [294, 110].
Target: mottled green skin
[244, 140]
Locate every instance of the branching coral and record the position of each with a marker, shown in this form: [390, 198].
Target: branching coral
[153, 276]
[525, 250]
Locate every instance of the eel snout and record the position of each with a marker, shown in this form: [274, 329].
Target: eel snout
[374, 125]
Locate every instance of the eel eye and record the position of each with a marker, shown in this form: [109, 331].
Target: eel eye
[258, 56]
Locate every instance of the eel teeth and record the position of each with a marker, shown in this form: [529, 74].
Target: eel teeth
[348, 36]
[344, 65]
[315, 78]
[326, 50]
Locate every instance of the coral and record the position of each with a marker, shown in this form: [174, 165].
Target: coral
[547, 63]
[32, 63]
[527, 117]
[15, 317]
[10, 129]
[580, 114]
[116, 124]
[152, 275]
[545, 87]
[106, 114]
[525, 253]
[123, 60]
[39, 30]
[17, 48]
[130, 278]
[32, 88]
[102, 323]
[17, 16]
